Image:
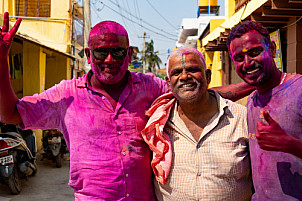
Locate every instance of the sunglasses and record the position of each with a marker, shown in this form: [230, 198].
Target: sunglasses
[118, 53]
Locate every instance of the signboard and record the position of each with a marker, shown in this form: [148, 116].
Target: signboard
[275, 36]
[137, 64]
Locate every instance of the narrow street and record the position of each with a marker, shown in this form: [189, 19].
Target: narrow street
[49, 184]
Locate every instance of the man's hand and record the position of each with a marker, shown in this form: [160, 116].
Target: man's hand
[271, 136]
[6, 37]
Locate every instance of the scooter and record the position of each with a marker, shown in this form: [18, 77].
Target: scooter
[54, 146]
[17, 161]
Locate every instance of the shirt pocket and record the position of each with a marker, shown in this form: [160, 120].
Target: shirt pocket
[227, 159]
[135, 120]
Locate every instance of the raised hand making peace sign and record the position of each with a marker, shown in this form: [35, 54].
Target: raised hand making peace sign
[6, 36]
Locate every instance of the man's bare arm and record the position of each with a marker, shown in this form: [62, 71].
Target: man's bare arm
[8, 99]
[235, 91]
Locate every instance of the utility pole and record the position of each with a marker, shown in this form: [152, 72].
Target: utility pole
[87, 27]
[144, 53]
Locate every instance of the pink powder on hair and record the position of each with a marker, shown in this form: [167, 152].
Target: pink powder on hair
[105, 27]
[185, 51]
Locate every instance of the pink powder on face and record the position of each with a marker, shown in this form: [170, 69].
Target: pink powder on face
[108, 34]
[105, 27]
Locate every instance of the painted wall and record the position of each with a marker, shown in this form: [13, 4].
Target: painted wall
[53, 32]
[229, 8]
[6, 5]
[214, 64]
[34, 64]
[31, 69]
[213, 58]
[214, 23]
[56, 69]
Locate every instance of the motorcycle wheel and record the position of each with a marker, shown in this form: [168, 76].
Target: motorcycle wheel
[14, 182]
[58, 161]
[35, 170]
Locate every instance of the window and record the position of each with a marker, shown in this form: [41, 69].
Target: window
[33, 8]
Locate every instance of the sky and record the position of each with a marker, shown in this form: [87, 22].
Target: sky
[160, 19]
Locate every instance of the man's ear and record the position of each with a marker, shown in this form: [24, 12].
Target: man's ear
[273, 48]
[130, 51]
[168, 82]
[208, 73]
[87, 52]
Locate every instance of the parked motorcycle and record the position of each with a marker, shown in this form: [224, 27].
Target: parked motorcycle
[54, 146]
[17, 159]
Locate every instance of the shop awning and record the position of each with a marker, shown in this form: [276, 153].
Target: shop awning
[32, 40]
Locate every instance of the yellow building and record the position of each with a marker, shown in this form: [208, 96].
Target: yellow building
[194, 29]
[44, 51]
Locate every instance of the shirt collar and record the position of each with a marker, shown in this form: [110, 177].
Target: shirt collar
[222, 110]
[222, 103]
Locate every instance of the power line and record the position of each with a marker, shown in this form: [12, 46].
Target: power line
[96, 10]
[142, 20]
[119, 7]
[133, 26]
[138, 24]
[161, 15]
[139, 15]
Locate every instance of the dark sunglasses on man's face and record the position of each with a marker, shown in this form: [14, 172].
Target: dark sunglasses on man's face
[118, 53]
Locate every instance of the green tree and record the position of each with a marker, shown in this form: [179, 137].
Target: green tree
[152, 58]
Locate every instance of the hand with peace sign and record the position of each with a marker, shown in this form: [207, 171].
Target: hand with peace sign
[6, 36]
[8, 99]
[272, 137]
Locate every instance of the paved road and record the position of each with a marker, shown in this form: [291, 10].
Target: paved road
[49, 184]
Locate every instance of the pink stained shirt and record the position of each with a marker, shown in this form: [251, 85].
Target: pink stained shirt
[109, 159]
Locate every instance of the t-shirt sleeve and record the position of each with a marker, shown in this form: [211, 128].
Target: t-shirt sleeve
[42, 111]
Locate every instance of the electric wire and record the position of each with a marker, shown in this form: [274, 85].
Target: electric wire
[133, 26]
[292, 23]
[161, 15]
[142, 25]
[119, 7]
[137, 12]
[141, 19]
[97, 9]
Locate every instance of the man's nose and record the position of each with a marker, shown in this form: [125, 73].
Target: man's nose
[184, 75]
[109, 59]
[247, 60]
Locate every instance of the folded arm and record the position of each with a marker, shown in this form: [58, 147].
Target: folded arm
[8, 99]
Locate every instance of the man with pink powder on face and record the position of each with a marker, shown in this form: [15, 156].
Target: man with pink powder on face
[100, 114]
[274, 114]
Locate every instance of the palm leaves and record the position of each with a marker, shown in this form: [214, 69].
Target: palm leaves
[152, 58]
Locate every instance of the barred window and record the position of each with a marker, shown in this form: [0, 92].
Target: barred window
[33, 8]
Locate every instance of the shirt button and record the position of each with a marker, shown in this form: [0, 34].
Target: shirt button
[124, 153]
[127, 175]
[127, 195]
[119, 132]
[103, 97]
